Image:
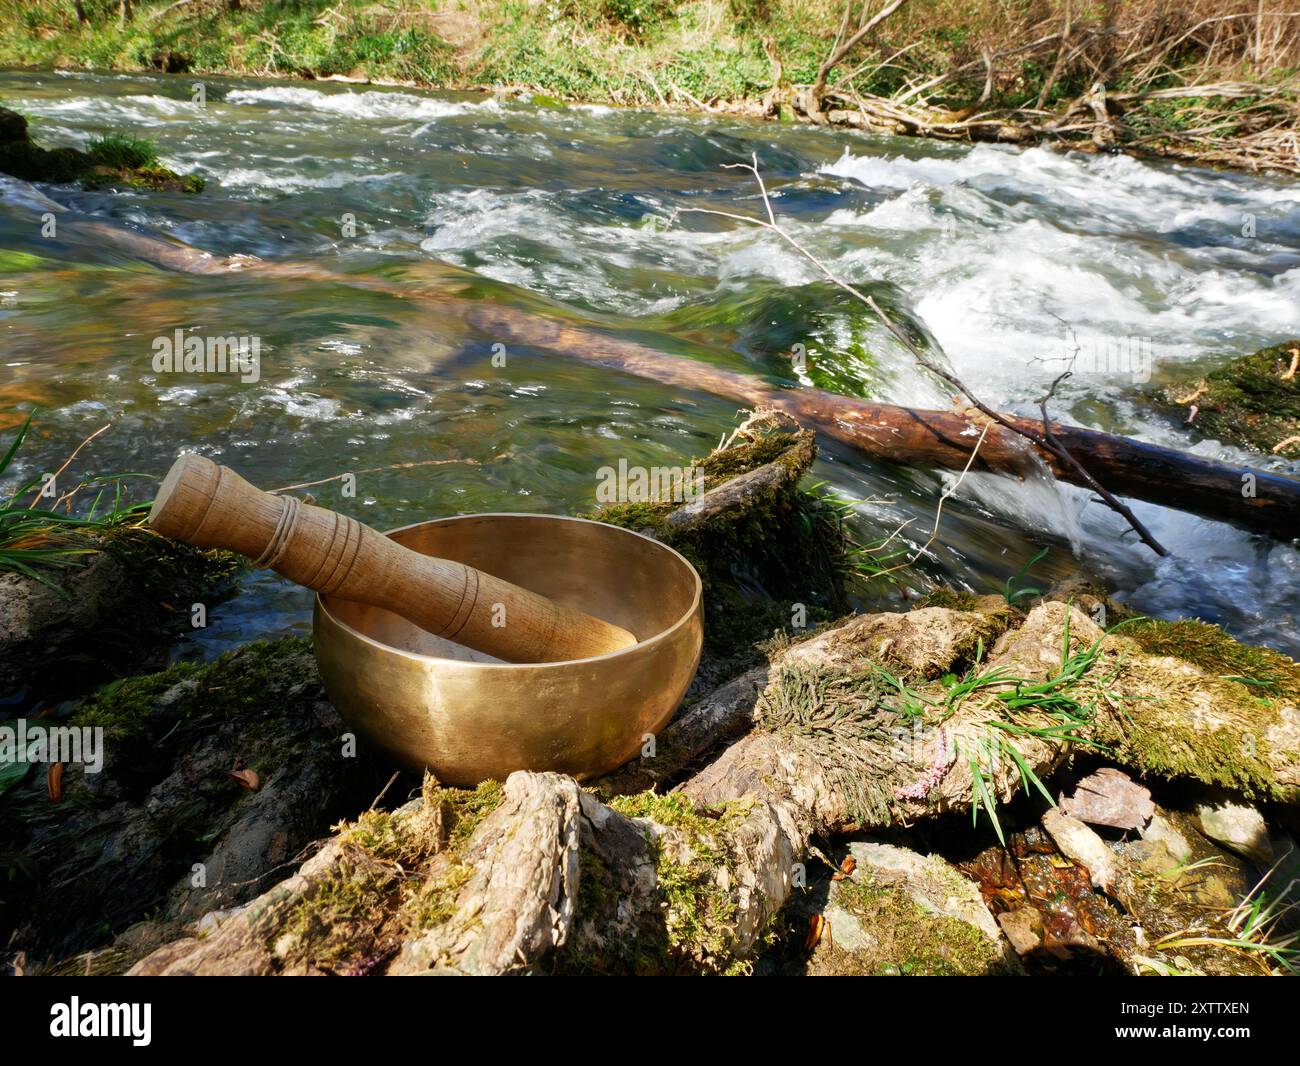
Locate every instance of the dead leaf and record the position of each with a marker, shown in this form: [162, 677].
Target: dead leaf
[816, 926]
[846, 868]
[247, 778]
[54, 782]
[1110, 797]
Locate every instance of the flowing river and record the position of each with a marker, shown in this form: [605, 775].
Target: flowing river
[1005, 260]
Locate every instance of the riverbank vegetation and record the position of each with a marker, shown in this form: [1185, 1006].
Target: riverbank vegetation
[1209, 80]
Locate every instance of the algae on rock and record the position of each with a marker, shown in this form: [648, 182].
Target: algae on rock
[1253, 402]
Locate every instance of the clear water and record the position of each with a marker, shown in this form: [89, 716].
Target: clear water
[1004, 258]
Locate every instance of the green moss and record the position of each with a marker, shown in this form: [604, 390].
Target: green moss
[169, 570]
[1260, 672]
[740, 458]
[238, 684]
[692, 872]
[1157, 735]
[952, 599]
[1249, 402]
[1209, 722]
[155, 178]
[905, 939]
[777, 548]
[399, 875]
[596, 889]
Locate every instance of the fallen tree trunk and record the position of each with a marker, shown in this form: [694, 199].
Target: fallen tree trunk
[1251, 499]
[1243, 496]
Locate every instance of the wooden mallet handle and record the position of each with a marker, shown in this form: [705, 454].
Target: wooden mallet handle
[211, 506]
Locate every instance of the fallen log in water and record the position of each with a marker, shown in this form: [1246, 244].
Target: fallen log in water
[1243, 496]
[1252, 499]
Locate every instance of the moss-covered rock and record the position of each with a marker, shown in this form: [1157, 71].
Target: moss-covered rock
[26, 160]
[1253, 402]
[113, 607]
[766, 552]
[165, 828]
[1262, 671]
[894, 912]
[22, 158]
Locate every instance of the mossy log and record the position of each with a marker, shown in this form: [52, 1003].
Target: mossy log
[546, 877]
[741, 534]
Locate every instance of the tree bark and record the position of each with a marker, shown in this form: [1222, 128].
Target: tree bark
[1249, 498]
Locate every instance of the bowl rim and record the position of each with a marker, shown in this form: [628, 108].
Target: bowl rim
[322, 608]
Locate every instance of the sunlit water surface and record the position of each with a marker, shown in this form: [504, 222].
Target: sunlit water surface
[1006, 259]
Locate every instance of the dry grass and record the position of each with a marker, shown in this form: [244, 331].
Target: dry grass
[1211, 80]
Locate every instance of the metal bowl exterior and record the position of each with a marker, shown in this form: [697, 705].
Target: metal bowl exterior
[469, 721]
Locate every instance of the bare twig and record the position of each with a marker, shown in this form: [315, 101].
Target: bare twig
[844, 45]
[380, 470]
[67, 463]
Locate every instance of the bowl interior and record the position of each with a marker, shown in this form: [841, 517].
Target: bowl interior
[625, 578]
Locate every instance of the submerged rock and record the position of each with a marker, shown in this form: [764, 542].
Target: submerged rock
[1081, 845]
[1163, 831]
[1238, 826]
[1253, 402]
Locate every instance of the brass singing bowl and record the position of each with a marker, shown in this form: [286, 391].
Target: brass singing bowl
[429, 705]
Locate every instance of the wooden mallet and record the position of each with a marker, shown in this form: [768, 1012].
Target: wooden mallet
[211, 506]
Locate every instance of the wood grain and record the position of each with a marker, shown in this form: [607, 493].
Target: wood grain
[211, 506]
